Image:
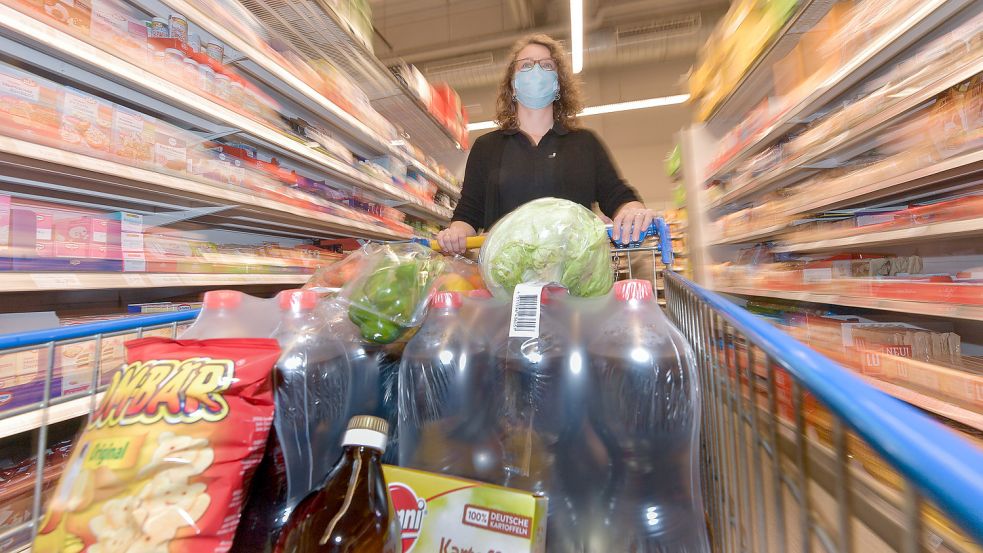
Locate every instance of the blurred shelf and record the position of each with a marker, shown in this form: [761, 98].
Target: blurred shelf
[965, 165]
[928, 15]
[316, 29]
[917, 94]
[758, 79]
[34, 282]
[68, 175]
[441, 182]
[57, 412]
[949, 229]
[76, 51]
[753, 235]
[931, 404]
[953, 310]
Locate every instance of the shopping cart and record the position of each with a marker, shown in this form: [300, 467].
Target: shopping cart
[797, 453]
[50, 349]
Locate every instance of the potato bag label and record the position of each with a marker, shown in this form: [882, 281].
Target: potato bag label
[163, 464]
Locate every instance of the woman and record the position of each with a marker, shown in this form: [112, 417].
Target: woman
[539, 151]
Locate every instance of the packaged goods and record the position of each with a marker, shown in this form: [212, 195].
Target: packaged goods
[563, 396]
[164, 461]
[158, 28]
[170, 149]
[352, 511]
[548, 240]
[86, 121]
[76, 14]
[29, 105]
[443, 513]
[133, 136]
[326, 375]
[177, 27]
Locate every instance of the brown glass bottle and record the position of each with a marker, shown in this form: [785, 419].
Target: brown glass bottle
[352, 512]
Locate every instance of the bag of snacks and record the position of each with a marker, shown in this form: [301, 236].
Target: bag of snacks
[164, 462]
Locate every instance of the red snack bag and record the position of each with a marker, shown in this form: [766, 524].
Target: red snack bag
[164, 462]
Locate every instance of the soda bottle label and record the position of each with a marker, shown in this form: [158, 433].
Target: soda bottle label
[525, 310]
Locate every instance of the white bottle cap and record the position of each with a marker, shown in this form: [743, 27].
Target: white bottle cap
[367, 431]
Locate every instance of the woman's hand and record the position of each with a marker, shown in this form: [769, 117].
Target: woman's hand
[453, 238]
[630, 220]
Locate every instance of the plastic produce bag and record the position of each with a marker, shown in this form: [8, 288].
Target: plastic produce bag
[548, 240]
[598, 408]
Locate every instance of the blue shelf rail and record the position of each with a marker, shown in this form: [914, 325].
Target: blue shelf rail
[768, 448]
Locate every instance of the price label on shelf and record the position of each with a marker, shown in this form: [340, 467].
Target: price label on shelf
[166, 280]
[56, 281]
[135, 281]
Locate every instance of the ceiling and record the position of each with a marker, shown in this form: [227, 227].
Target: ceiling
[464, 42]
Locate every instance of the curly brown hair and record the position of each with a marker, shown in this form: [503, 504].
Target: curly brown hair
[565, 108]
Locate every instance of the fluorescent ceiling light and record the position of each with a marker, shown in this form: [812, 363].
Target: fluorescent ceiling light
[606, 108]
[577, 34]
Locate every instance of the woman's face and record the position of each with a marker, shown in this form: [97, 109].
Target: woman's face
[534, 52]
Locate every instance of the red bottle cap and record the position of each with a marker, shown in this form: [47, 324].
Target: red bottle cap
[551, 293]
[304, 300]
[635, 289]
[446, 300]
[480, 294]
[222, 299]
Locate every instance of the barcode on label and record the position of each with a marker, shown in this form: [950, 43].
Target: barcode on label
[525, 311]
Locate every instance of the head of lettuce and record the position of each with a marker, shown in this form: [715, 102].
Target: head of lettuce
[552, 241]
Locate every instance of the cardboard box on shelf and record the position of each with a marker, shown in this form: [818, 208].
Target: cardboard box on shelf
[21, 379]
[134, 136]
[29, 105]
[86, 122]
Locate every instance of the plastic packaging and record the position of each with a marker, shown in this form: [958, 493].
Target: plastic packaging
[548, 240]
[599, 409]
[232, 314]
[326, 375]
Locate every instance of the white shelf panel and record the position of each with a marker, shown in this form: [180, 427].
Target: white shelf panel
[931, 404]
[953, 310]
[921, 20]
[757, 81]
[58, 412]
[949, 229]
[753, 235]
[867, 189]
[123, 179]
[866, 128]
[317, 30]
[83, 53]
[33, 282]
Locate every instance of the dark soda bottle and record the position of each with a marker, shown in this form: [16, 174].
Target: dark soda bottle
[449, 420]
[352, 511]
[646, 404]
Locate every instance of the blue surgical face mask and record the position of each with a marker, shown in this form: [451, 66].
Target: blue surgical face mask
[536, 88]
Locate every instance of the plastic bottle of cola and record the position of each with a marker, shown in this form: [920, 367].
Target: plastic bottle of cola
[352, 511]
[646, 404]
[448, 415]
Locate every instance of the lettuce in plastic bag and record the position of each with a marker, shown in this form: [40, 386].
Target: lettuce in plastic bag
[548, 240]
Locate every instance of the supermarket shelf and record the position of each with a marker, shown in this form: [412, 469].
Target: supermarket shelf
[917, 96]
[757, 81]
[753, 235]
[921, 20]
[441, 182]
[76, 174]
[315, 28]
[57, 412]
[931, 404]
[69, 48]
[953, 310]
[34, 282]
[949, 229]
[943, 171]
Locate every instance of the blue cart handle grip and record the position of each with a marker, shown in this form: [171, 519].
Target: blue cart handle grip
[658, 228]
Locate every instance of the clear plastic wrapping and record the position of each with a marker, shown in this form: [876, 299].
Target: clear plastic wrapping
[599, 410]
[548, 240]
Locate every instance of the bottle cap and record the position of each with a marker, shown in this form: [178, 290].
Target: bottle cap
[552, 293]
[635, 289]
[367, 431]
[222, 299]
[301, 300]
[446, 300]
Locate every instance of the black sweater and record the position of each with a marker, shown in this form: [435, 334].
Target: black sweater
[569, 164]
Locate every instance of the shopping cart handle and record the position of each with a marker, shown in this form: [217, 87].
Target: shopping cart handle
[471, 242]
[657, 228]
